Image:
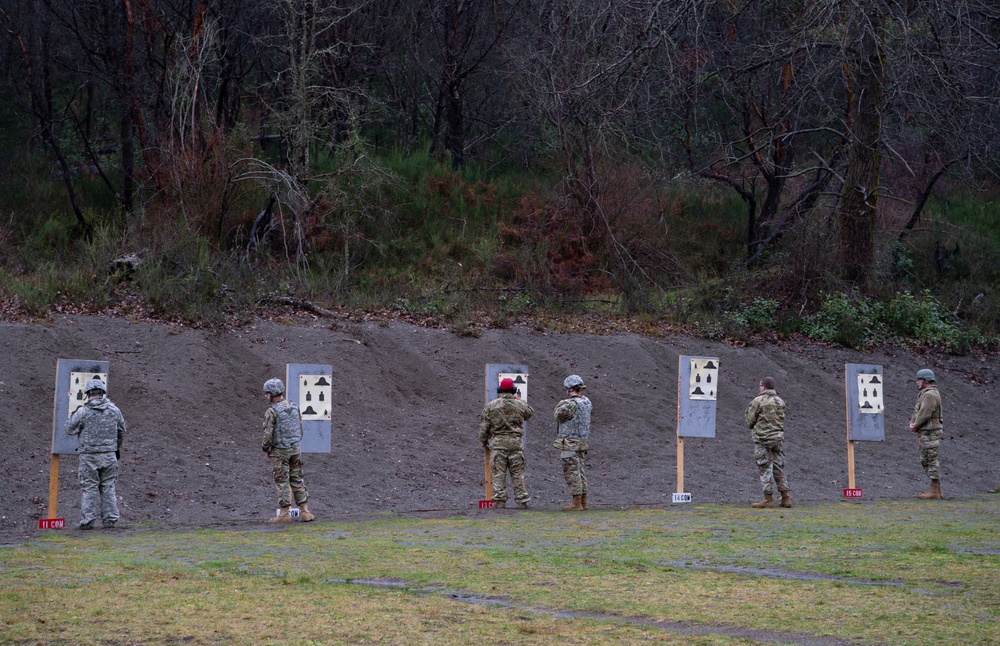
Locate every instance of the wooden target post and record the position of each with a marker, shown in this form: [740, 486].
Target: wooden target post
[488, 479]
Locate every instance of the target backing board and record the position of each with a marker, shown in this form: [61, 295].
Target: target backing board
[865, 402]
[72, 376]
[697, 393]
[310, 387]
[495, 372]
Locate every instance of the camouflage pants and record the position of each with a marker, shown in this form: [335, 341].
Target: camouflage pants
[286, 468]
[98, 474]
[574, 472]
[771, 465]
[502, 461]
[929, 442]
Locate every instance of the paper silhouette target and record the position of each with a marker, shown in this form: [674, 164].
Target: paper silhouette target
[870, 394]
[520, 380]
[77, 382]
[704, 379]
[315, 395]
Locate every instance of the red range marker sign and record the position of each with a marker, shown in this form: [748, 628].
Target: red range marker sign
[51, 523]
[486, 504]
[852, 493]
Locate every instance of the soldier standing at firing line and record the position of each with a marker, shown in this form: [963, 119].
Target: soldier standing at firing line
[573, 418]
[765, 416]
[101, 428]
[282, 434]
[501, 429]
[928, 424]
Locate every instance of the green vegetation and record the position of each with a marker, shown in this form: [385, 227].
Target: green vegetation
[894, 572]
[405, 235]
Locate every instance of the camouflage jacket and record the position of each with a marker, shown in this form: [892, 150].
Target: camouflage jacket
[573, 419]
[765, 417]
[99, 424]
[501, 424]
[927, 413]
[282, 426]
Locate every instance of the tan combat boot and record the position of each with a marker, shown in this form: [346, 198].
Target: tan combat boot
[583, 502]
[499, 504]
[576, 506]
[766, 503]
[786, 499]
[934, 493]
[304, 514]
[282, 517]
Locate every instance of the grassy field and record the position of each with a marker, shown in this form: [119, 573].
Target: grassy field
[888, 573]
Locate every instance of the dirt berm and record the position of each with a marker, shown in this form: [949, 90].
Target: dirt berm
[406, 406]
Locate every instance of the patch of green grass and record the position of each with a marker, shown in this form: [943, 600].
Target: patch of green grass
[892, 572]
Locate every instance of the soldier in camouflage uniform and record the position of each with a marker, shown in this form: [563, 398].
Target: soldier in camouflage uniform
[765, 416]
[928, 424]
[501, 429]
[282, 434]
[101, 428]
[573, 419]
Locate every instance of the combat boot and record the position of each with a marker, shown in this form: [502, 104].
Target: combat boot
[583, 502]
[766, 503]
[576, 506]
[786, 499]
[282, 517]
[304, 514]
[934, 493]
[499, 504]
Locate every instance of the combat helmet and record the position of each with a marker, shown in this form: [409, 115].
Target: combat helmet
[95, 384]
[573, 381]
[926, 374]
[274, 387]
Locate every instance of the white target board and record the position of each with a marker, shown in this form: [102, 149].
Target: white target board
[78, 382]
[870, 394]
[520, 380]
[315, 395]
[703, 379]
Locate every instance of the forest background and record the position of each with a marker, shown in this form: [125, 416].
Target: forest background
[737, 168]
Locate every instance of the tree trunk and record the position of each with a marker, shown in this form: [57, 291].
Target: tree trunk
[856, 217]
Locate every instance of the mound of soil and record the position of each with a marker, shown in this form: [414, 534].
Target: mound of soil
[405, 416]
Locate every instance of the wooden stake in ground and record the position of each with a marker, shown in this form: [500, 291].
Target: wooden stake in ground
[54, 486]
[488, 477]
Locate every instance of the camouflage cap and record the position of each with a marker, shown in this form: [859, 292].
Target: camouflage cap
[95, 384]
[573, 381]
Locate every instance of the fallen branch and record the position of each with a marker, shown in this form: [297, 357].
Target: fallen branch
[299, 303]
